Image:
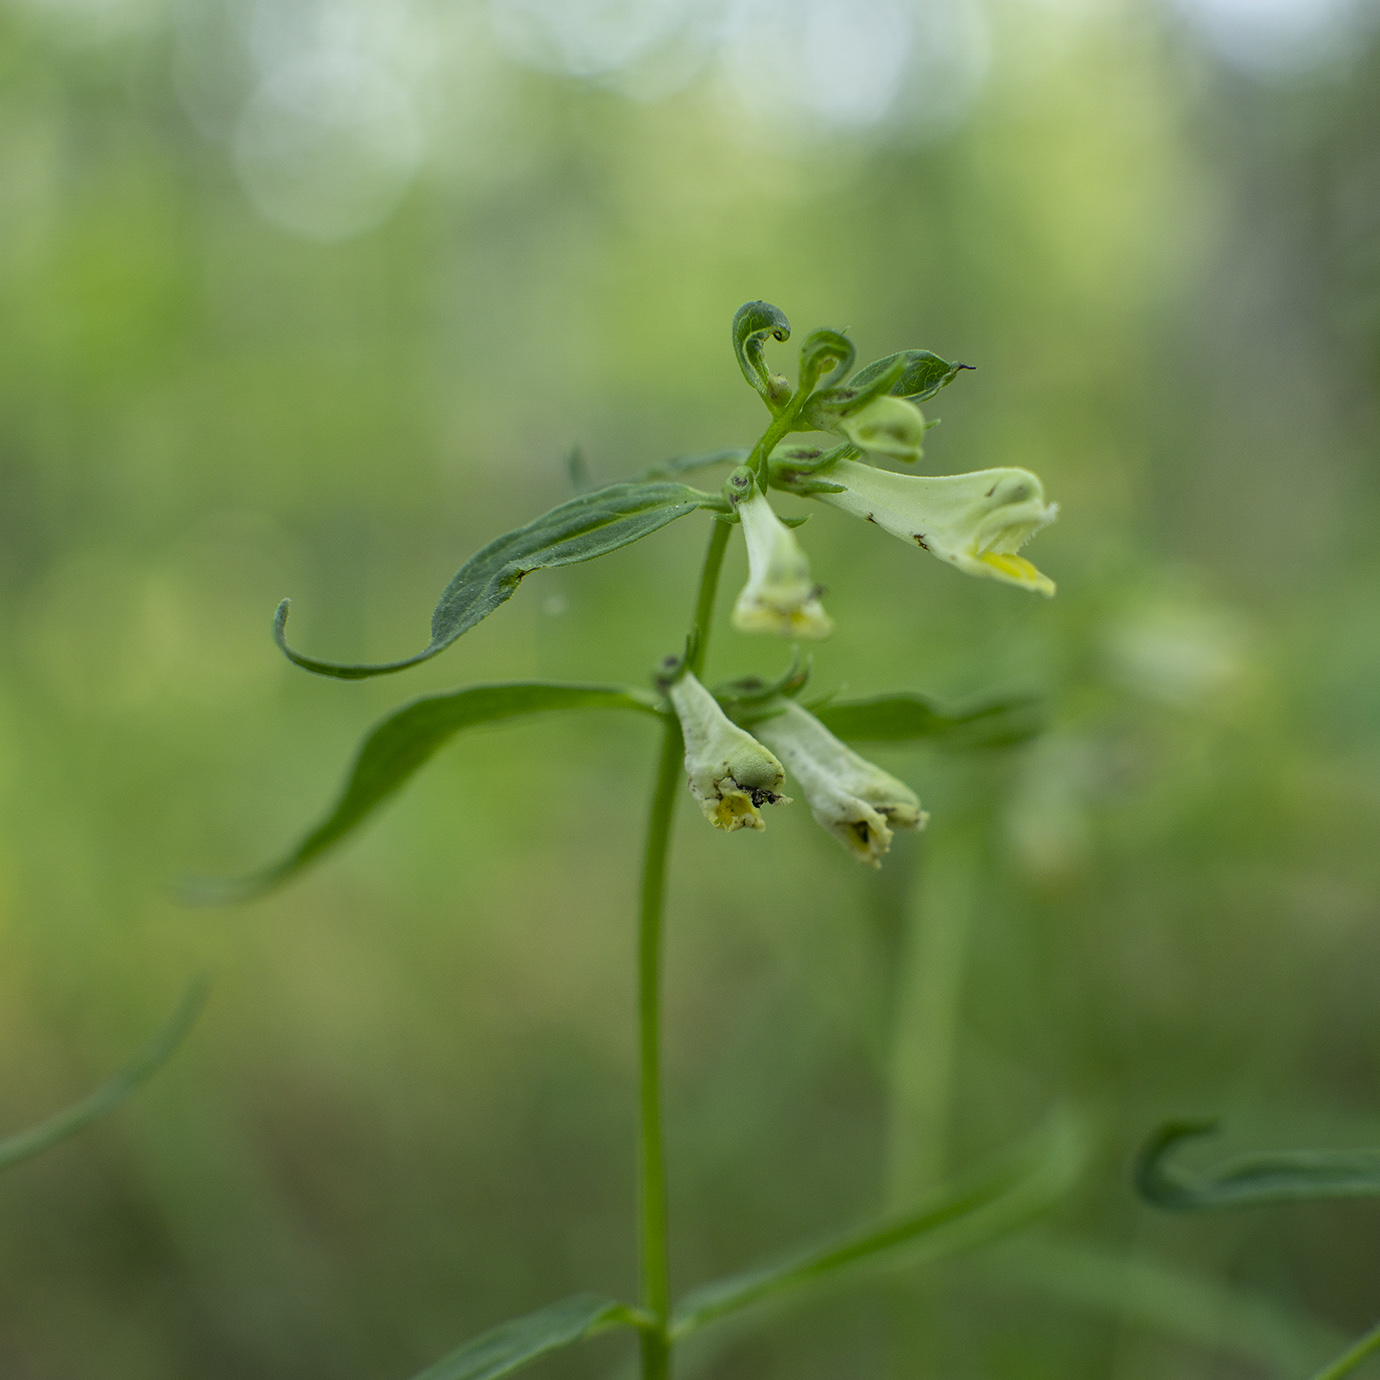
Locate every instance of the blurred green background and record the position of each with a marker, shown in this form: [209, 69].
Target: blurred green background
[312, 298]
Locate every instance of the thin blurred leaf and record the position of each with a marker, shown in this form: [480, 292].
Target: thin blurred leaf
[688, 464]
[580, 529]
[577, 471]
[923, 376]
[907, 717]
[958, 1218]
[1287, 1176]
[1351, 1357]
[511, 1345]
[400, 745]
[1151, 1294]
[110, 1094]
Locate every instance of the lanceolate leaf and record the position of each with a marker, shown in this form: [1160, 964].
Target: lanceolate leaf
[402, 743]
[511, 1345]
[581, 529]
[958, 1218]
[113, 1092]
[908, 717]
[1288, 1176]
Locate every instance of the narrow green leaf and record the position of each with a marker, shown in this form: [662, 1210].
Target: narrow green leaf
[113, 1092]
[688, 464]
[1141, 1291]
[907, 717]
[581, 529]
[753, 324]
[923, 376]
[1352, 1357]
[1287, 1176]
[401, 744]
[511, 1345]
[967, 1214]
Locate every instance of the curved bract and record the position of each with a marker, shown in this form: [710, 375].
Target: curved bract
[1285, 1176]
[582, 529]
[401, 744]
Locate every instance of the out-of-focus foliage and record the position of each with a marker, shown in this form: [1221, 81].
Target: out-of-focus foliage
[313, 299]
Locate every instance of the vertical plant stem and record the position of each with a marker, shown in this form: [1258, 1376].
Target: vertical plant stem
[651, 1191]
[719, 533]
[651, 1205]
[930, 980]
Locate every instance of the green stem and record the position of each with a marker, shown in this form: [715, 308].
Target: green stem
[719, 533]
[655, 1292]
[1349, 1360]
[651, 1191]
[782, 426]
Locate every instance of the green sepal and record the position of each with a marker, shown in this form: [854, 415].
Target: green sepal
[580, 529]
[1286, 1176]
[512, 1345]
[398, 746]
[740, 697]
[923, 375]
[908, 717]
[753, 324]
[828, 405]
[821, 349]
[959, 1217]
[115, 1090]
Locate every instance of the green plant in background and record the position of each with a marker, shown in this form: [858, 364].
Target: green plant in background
[743, 746]
[160, 1048]
[1259, 1180]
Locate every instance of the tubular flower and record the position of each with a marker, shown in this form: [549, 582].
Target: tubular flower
[731, 773]
[886, 426]
[780, 596]
[977, 522]
[856, 802]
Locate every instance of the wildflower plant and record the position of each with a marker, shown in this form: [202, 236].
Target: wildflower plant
[745, 750]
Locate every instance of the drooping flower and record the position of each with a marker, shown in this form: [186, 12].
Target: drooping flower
[731, 773]
[780, 595]
[854, 800]
[886, 426]
[977, 522]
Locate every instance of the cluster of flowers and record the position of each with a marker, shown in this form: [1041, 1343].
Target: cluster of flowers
[977, 522]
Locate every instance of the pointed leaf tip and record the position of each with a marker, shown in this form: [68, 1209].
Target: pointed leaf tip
[582, 528]
[400, 745]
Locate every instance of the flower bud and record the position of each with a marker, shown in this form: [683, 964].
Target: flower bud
[780, 596]
[731, 773]
[886, 426]
[855, 801]
[977, 522]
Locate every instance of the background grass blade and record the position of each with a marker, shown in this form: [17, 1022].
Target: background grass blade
[958, 1218]
[401, 744]
[1158, 1297]
[1289, 1176]
[907, 717]
[510, 1345]
[1353, 1356]
[113, 1092]
[590, 525]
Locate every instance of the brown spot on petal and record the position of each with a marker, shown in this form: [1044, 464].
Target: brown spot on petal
[919, 539]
